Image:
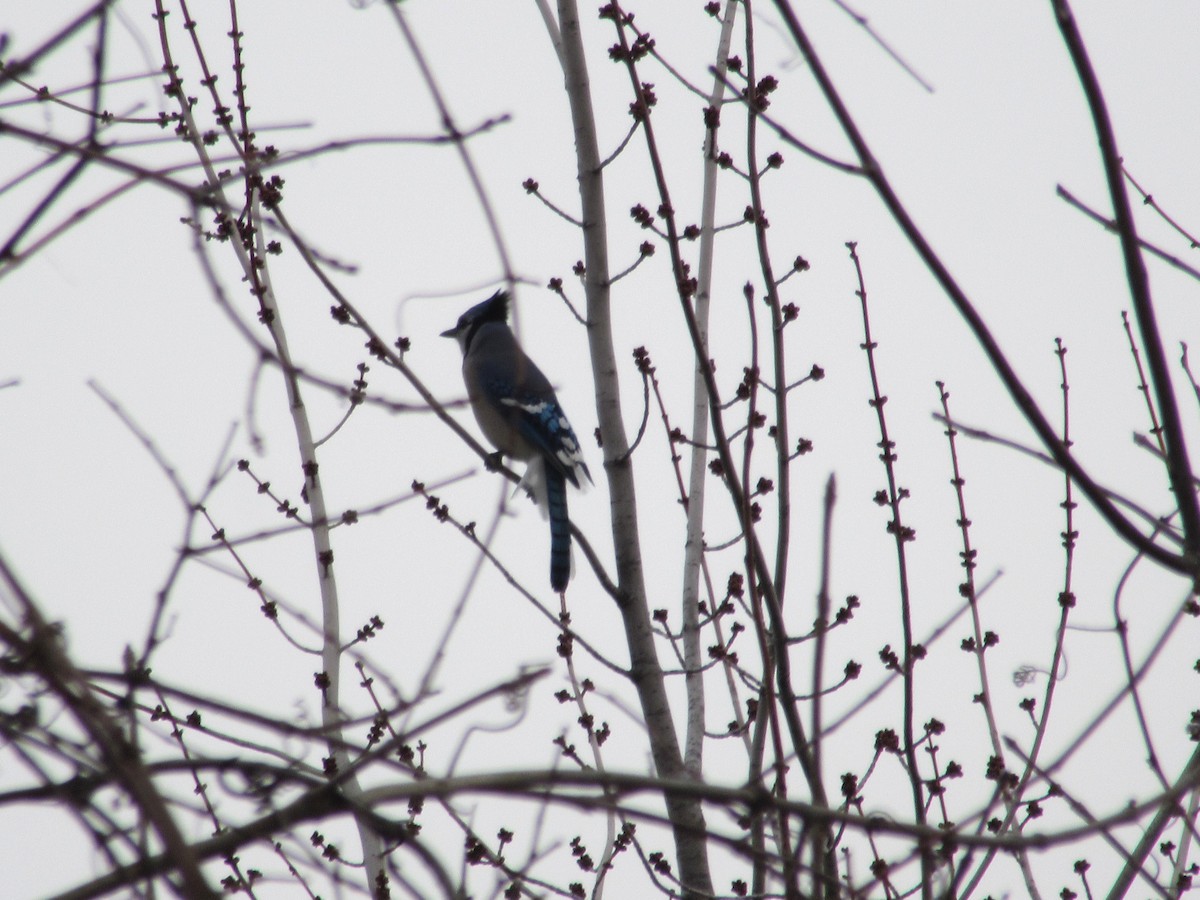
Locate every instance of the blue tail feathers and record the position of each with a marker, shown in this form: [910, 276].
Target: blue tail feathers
[560, 530]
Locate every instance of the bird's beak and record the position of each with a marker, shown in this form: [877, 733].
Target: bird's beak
[450, 332]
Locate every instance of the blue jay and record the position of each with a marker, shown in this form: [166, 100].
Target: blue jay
[518, 412]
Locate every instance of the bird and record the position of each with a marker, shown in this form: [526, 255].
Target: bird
[518, 412]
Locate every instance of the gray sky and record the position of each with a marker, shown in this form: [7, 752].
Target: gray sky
[92, 525]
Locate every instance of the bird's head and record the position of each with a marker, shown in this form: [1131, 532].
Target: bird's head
[493, 309]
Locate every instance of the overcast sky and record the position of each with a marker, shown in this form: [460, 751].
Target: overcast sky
[91, 524]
